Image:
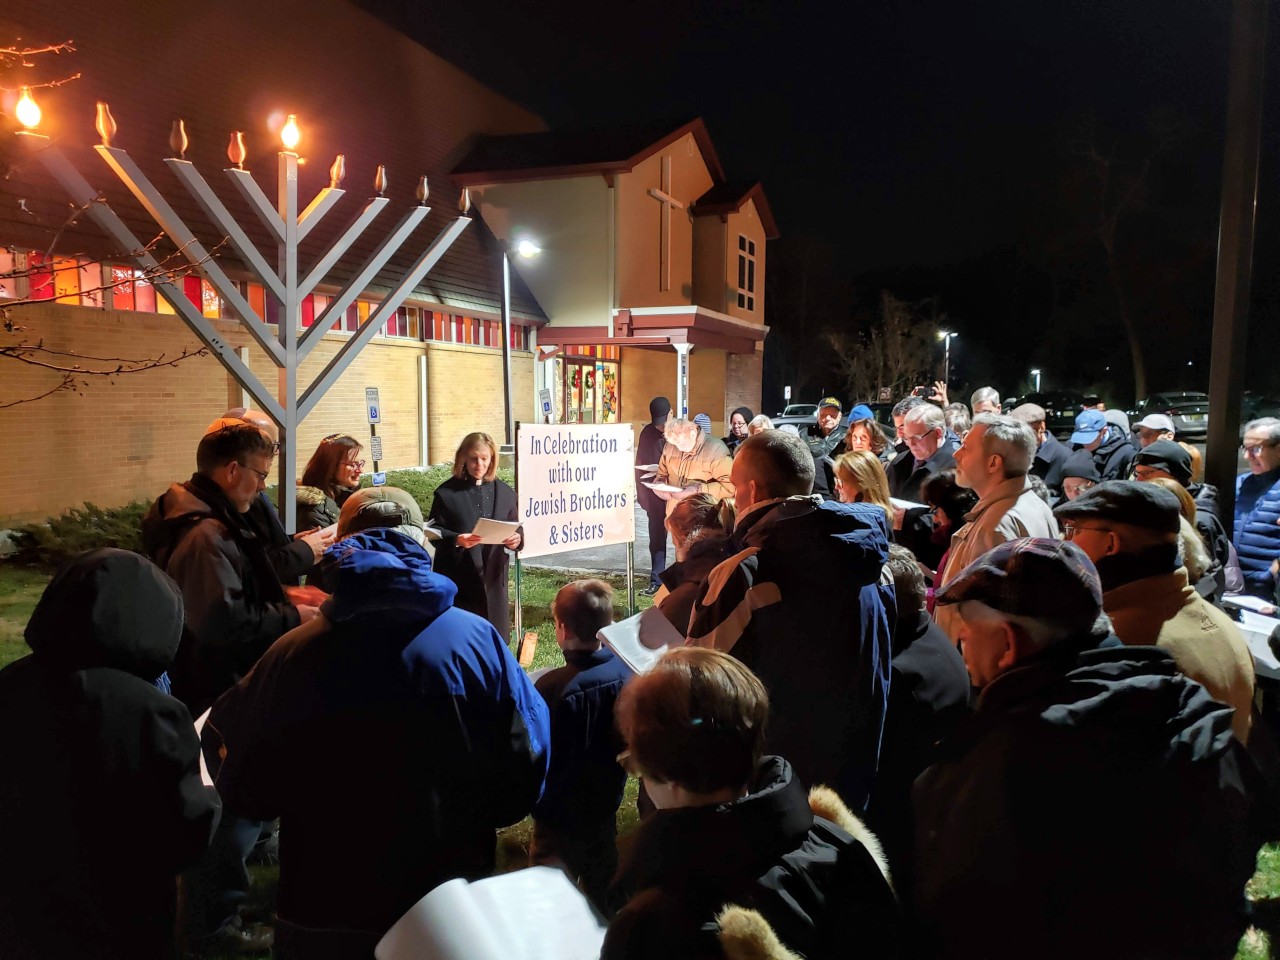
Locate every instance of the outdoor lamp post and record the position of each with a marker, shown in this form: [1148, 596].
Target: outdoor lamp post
[1035, 373]
[946, 336]
[526, 249]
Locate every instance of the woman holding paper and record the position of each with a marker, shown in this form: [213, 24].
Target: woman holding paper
[473, 494]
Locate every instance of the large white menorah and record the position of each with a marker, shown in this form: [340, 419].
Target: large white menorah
[286, 348]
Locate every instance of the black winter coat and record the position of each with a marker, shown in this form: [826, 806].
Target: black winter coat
[818, 887]
[1102, 800]
[234, 605]
[649, 450]
[101, 803]
[289, 558]
[480, 572]
[1114, 458]
[928, 698]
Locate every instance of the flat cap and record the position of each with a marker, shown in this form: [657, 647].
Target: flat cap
[1036, 577]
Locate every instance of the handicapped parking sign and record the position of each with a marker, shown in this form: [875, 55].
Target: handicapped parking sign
[372, 405]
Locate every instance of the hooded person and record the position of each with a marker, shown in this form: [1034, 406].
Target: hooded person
[102, 802]
[1165, 458]
[1111, 449]
[1079, 473]
[393, 711]
[649, 447]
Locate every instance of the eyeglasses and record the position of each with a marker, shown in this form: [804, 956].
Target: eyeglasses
[358, 464]
[1069, 530]
[918, 437]
[1255, 449]
[254, 469]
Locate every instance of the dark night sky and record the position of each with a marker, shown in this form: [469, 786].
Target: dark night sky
[903, 138]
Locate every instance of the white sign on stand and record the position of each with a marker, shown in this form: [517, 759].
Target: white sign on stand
[576, 486]
[372, 405]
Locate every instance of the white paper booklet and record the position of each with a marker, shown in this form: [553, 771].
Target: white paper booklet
[494, 531]
[662, 487]
[642, 640]
[647, 467]
[908, 504]
[531, 914]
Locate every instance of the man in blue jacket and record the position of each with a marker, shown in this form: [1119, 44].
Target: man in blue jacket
[802, 604]
[1257, 537]
[391, 736]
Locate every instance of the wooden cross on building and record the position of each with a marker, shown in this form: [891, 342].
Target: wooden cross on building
[663, 196]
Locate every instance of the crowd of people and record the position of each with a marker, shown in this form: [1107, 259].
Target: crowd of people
[965, 691]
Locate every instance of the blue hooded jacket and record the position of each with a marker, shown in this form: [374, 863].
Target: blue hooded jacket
[391, 736]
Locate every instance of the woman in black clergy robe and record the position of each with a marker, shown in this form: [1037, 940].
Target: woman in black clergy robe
[474, 492]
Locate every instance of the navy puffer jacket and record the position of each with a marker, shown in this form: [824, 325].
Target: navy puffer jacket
[1257, 537]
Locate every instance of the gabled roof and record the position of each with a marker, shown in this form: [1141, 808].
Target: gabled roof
[726, 198]
[553, 155]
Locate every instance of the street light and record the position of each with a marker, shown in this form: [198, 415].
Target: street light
[526, 249]
[1036, 373]
[946, 336]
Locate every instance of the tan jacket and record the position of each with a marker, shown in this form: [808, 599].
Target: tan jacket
[1166, 611]
[707, 464]
[1010, 511]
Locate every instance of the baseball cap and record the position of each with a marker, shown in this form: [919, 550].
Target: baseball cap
[1145, 505]
[375, 507]
[861, 412]
[1168, 456]
[1088, 425]
[1156, 421]
[830, 402]
[1032, 577]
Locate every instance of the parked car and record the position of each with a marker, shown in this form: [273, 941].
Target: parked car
[1188, 409]
[1061, 407]
[798, 410]
[1254, 405]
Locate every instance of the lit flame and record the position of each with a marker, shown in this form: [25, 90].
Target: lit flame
[235, 149]
[28, 110]
[290, 134]
[105, 123]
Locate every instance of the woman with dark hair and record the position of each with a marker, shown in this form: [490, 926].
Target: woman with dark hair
[735, 829]
[738, 421]
[332, 475]
[475, 491]
[866, 434]
[949, 502]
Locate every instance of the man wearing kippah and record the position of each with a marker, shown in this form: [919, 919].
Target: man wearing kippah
[1095, 803]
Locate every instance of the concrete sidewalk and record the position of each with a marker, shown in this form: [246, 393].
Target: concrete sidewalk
[611, 559]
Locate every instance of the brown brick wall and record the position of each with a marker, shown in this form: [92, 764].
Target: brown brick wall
[127, 439]
[742, 382]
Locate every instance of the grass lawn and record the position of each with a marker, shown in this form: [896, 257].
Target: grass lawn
[21, 588]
